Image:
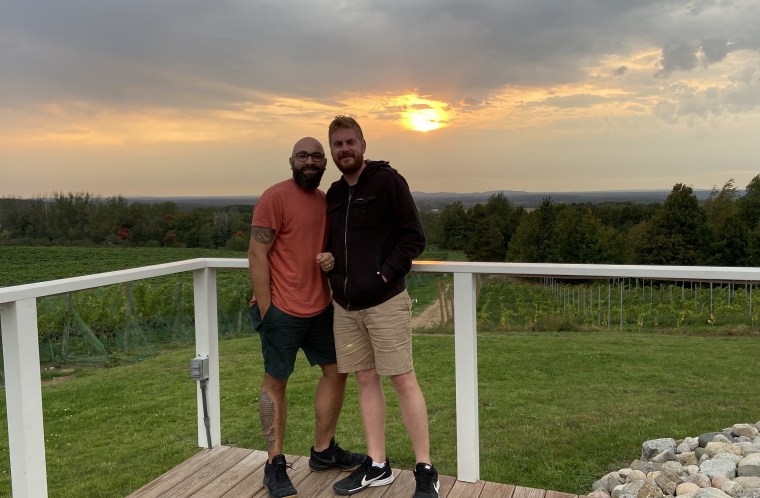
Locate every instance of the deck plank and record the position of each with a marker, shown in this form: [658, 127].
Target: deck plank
[523, 492]
[214, 468]
[496, 490]
[463, 489]
[557, 494]
[237, 473]
[225, 472]
[178, 473]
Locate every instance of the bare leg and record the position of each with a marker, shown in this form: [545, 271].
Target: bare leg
[272, 413]
[372, 406]
[328, 402]
[414, 413]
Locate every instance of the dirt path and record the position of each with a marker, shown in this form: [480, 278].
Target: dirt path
[431, 316]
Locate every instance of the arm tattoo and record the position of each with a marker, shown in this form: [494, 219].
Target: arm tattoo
[262, 235]
[266, 416]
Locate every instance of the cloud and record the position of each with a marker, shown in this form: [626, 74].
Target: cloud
[228, 56]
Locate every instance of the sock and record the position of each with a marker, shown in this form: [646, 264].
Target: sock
[378, 465]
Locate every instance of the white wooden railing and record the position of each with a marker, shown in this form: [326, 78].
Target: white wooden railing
[23, 389]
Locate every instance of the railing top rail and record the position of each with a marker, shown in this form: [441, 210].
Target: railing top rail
[672, 273]
[593, 271]
[61, 286]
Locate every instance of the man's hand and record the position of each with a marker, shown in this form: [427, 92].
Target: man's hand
[326, 261]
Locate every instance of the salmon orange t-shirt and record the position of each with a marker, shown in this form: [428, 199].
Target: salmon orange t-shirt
[299, 219]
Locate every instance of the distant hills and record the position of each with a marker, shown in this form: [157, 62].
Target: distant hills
[439, 200]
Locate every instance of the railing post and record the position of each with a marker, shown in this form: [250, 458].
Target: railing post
[466, 360]
[23, 398]
[207, 343]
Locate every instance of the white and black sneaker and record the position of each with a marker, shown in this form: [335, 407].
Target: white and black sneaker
[426, 478]
[335, 457]
[365, 476]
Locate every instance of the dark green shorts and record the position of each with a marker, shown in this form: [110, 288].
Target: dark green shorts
[282, 335]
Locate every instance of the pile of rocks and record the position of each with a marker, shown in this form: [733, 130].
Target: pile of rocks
[714, 465]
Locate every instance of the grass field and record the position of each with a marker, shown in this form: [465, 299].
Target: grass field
[557, 410]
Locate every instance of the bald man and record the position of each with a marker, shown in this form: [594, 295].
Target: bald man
[292, 310]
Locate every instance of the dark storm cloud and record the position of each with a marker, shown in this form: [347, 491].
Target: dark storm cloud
[218, 54]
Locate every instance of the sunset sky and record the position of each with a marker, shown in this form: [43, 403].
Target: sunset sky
[207, 97]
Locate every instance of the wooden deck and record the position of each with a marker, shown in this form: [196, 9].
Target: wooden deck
[238, 473]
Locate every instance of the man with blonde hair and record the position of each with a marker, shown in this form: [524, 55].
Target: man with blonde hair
[375, 232]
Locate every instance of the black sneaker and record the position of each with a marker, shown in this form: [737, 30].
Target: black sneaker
[363, 477]
[276, 478]
[334, 457]
[427, 481]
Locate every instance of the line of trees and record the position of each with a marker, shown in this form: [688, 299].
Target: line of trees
[722, 231]
[85, 219]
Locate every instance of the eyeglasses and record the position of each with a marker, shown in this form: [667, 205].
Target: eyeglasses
[303, 156]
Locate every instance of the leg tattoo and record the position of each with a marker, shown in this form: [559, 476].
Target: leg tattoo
[266, 416]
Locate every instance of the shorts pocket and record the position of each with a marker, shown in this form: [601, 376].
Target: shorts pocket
[256, 317]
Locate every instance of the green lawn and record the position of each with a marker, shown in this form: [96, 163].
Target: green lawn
[557, 410]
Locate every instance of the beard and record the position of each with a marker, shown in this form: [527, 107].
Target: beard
[351, 168]
[308, 181]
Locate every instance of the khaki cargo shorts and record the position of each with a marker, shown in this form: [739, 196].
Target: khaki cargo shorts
[379, 337]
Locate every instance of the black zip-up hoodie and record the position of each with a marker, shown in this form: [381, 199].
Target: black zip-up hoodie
[374, 229]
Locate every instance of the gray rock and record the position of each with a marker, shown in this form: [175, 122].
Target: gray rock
[731, 457]
[693, 443]
[747, 430]
[724, 438]
[644, 466]
[732, 488]
[673, 468]
[706, 438]
[683, 448]
[617, 492]
[686, 488]
[748, 448]
[687, 458]
[598, 494]
[713, 448]
[603, 484]
[649, 490]
[665, 456]
[668, 481]
[750, 493]
[632, 488]
[692, 469]
[748, 482]
[749, 466]
[710, 493]
[699, 479]
[653, 447]
[714, 468]
[636, 475]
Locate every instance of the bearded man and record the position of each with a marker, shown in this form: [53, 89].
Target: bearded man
[291, 309]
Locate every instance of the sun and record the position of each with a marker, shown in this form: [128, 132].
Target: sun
[420, 114]
[424, 119]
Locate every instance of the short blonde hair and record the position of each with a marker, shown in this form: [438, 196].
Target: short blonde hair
[344, 122]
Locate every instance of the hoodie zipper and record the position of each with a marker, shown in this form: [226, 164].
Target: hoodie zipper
[345, 249]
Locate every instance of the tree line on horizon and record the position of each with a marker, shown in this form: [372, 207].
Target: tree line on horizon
[85, 219]
[724, 230]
